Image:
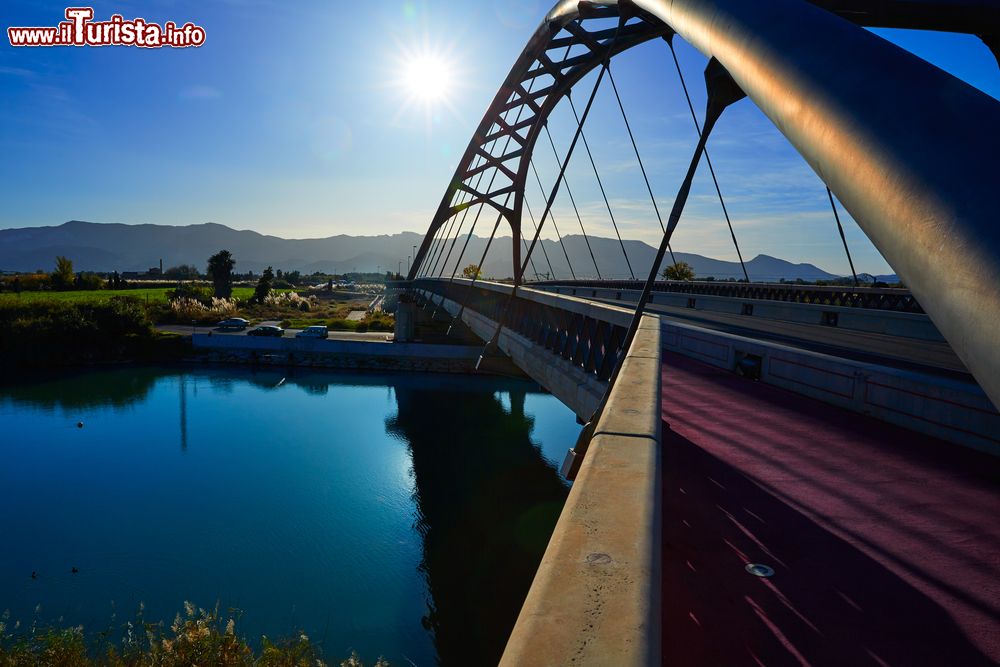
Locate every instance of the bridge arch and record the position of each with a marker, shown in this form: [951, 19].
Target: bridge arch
[908, 149]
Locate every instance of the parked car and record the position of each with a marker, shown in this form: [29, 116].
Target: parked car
[267, 330]
[234, 323]
[316, 331]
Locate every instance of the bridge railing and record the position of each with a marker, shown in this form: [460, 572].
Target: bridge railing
[876, 298]
[588, 335]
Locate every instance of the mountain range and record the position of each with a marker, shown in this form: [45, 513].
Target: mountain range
[106, 247]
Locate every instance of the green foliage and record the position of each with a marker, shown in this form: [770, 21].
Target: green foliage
[62, 278]
[27, 282]
[264, 285]
[201, 293]
[472, 271]
[199, 637]
[89, 282]
[220, 271]
[182, 272]
[52, 333]
[679, 271]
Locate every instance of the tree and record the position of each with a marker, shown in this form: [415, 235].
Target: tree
[679, 271]
[220, 270]
[63, 277]
[472, 271]
[182, 272]
[263, 285]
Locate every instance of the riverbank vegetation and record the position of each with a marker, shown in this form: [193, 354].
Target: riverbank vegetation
[48, 334]
[198, 637]
[63, 318]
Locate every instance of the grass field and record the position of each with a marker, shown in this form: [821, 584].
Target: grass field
[148, 295]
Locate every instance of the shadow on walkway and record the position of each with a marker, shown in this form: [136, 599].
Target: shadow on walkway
[884, 543]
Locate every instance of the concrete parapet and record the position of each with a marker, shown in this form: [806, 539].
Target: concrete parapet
[595, 599]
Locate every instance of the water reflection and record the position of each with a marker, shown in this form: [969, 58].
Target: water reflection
[486, 503]
[396, 514]
[78, 391]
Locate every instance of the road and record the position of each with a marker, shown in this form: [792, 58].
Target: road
[367, 336]
[936, 358]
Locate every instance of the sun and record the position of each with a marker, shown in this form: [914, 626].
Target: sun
[428, 78]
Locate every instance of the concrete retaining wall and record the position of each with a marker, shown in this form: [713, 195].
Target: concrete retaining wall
[343, 354]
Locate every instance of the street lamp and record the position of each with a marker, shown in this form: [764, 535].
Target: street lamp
[407, 263]
[399, 267]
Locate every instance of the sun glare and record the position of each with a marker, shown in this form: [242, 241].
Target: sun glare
[428, 78]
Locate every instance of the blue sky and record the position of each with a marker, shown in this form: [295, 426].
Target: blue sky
[292, 120]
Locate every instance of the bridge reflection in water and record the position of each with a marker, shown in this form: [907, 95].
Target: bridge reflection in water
[486, 505]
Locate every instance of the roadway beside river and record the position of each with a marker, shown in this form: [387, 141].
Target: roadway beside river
[187, 330]
[925, 356]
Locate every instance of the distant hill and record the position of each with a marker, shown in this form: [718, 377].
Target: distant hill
[119, 247]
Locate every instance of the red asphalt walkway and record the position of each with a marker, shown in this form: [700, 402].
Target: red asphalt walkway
[885, 544]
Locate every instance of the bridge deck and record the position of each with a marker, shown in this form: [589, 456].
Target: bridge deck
[885, 544]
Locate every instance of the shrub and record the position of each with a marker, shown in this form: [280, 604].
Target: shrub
[200, 293]
[187, 310]
[199, 637]
[47, 333]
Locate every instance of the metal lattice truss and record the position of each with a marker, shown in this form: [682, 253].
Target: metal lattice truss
[494, 168]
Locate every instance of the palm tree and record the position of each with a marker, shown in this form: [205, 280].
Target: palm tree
[220, 270]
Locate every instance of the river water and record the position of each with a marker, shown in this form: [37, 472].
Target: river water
[396, 515]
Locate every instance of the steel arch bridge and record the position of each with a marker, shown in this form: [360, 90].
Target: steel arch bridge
[909, 150]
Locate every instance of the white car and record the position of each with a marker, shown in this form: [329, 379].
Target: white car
[317, 331]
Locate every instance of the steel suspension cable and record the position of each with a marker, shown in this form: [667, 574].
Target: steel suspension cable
[717, 102]
[554, 226]
[708, 160]
[496, 225]
[475, 220]
[572, 200]
[843, 238]
[593, 164]
[566, 159]
[642, 168]
[572, 145]
[545, 253]
[465, 213]
[534, 269]
[494, 340]
[425, 267]
[439, 251]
